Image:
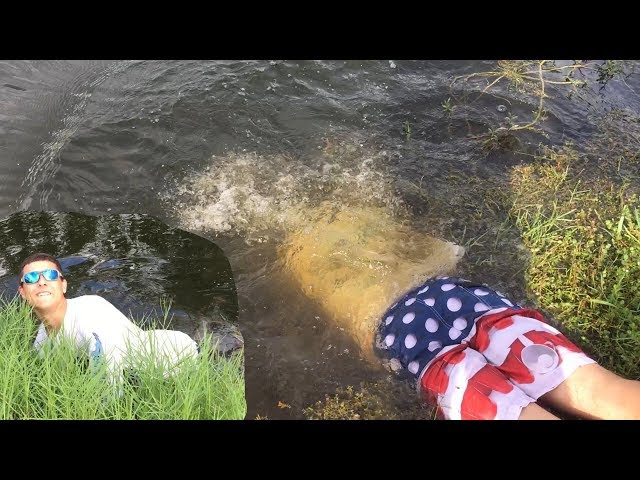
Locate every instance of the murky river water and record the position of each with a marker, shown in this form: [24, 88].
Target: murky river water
[323, 188]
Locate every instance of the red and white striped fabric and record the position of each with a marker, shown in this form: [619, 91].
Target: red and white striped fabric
[510, 358]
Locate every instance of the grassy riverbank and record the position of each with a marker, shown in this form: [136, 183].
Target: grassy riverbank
[58, 384]
[584, 242]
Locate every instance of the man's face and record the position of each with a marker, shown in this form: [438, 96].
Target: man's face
[43, 295]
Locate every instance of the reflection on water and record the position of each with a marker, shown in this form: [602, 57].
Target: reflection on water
[135, 261]
[356, 261]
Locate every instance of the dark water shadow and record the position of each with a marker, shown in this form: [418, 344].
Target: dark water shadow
[135, 261]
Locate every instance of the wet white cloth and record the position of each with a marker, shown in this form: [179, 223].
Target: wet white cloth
[105, 333]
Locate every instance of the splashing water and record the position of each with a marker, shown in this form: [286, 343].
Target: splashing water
[261, 197]
[341, 234]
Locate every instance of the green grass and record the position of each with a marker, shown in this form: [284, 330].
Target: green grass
[59, 384]
[584, 269]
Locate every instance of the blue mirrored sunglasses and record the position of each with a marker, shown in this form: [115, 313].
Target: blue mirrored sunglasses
[49, 274]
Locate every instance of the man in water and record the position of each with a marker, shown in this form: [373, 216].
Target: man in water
[94, 324]
[477, 355]
[472, 352]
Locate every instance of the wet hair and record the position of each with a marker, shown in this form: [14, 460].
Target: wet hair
[37, 257]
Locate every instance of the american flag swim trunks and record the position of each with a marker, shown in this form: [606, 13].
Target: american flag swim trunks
[475, 353]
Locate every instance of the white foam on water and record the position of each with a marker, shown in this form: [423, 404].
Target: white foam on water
[260, 196]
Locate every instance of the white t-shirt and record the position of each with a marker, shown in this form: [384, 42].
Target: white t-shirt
[102, 331]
